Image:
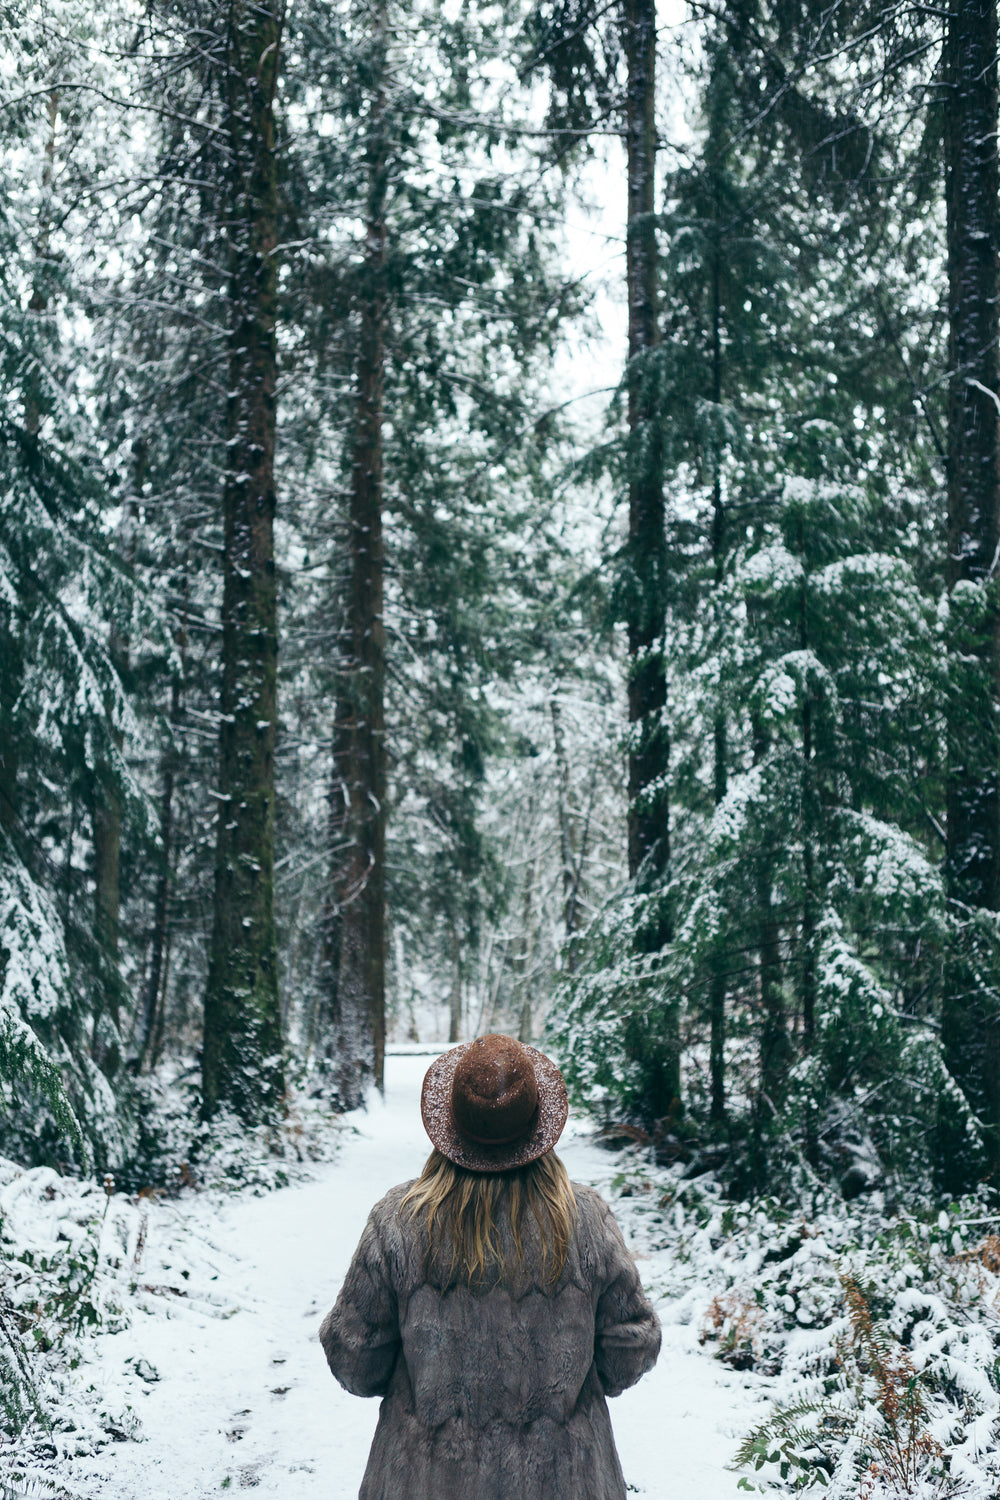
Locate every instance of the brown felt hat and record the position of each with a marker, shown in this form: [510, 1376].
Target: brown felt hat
[493, 1104]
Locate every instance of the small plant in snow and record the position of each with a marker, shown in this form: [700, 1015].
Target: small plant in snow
[875, 1337]
[868, 1435]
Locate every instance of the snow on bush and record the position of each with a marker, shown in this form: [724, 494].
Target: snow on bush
[79, 1258]
[875, 1338]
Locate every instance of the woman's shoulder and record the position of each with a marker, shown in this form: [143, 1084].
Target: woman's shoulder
[589, 1202]
[597, 1228]
[388, 1206]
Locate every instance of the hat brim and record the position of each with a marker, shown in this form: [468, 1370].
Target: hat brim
[439, 1121]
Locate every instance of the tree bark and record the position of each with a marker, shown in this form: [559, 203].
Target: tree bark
[570, 871]
[970, 1022]
[648, 811]
[149, 1006]
[775, 1051]
[656, 1050]
[717, 983]
[242, 1064]
[525, 956]
[357, 953]
[107, 809]
[455, 998]
[11, 672]
[11, 661]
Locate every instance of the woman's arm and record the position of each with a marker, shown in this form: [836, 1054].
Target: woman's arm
[626, 1330]
[360, 1335]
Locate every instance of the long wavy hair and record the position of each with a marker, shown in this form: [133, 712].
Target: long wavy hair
[467, 1209]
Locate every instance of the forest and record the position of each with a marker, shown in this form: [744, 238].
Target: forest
[499, 531]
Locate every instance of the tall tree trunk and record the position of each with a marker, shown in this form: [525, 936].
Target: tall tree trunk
[356, 969]
[775, 1052]
[11, 662]
[150, 1003]
[811, 823]
[657, 1050]
[158, 944]
[648, 812]
[242, 1063]
[107, 808]
[717, 983]
[970, 1020]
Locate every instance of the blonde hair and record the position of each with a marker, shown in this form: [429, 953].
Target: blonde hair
[467, 1208]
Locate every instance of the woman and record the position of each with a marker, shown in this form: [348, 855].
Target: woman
[492, 1302]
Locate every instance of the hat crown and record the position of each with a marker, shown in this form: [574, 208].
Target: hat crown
[494, 1096]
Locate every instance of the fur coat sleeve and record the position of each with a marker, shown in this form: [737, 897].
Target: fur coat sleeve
[626, 1329]
[360, 1333]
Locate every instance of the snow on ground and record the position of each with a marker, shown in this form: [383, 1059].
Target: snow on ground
[237, 1394]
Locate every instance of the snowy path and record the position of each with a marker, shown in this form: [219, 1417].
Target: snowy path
[244, 1399]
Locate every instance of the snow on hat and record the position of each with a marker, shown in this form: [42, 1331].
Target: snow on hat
[493, 1104]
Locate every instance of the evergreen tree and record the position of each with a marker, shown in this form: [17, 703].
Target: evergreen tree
[433, 322]
[64, 717]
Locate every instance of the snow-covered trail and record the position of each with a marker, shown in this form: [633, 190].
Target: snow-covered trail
[244, 1399]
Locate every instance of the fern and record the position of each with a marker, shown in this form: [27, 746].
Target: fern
[868, 1431]
[793, 1442]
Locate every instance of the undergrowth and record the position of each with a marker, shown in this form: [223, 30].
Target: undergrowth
[873, 1337]
[81, 1257]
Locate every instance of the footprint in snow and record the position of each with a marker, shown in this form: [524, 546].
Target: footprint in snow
[238, 1431]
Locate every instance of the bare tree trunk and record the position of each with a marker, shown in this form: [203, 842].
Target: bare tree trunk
[658, 1049]
[11, 661]
[775, 1052]
[525, 956]
[812, 838]
[970, 1019]
[356, 959]
[570, 871]
[717, 983]
[242, 1064]
[158, 944]
[107, 809]
[648, 813]
[150, 1004]
[455, 1002]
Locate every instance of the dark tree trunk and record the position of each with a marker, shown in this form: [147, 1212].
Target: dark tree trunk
[356, 943]
[11, 670]
[525, 956]
[658, 1051]
[242, 1057]
[107, 809]
[149, 1006]
[158, 943]
[455, 998]
[970, 1022]
[648, 812]
[717, 989]
[775, 1052]
[774, 1048]
[811, 823]
[107, 833]
[11, 662]
[810, 902]
[570, 874]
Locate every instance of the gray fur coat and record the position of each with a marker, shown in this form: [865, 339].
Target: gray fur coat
[495, 1394]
